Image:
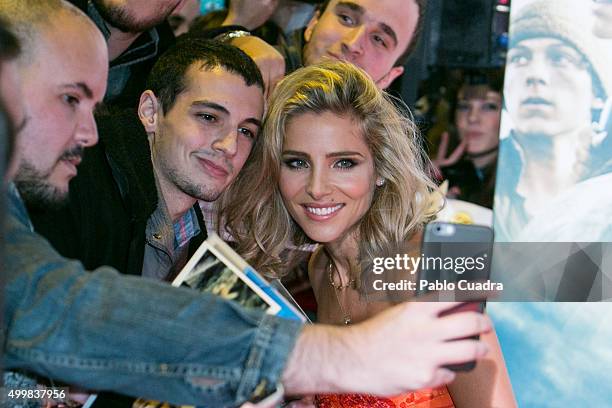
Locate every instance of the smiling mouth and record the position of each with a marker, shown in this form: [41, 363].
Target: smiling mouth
[323, 211]
[333, 56]
[214, 169]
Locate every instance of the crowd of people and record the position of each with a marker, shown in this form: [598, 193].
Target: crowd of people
[125, 147]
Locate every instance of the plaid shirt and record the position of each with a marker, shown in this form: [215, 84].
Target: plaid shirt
[185, 228]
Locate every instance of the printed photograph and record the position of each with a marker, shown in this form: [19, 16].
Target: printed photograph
[213, 276]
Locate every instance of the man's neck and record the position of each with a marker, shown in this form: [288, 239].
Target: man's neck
[119, 41]
[550, 164]
[177, 201]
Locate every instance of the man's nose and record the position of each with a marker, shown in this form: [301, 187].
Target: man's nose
[353, 42]
[227, 144]
[87, 131]
[538, 71]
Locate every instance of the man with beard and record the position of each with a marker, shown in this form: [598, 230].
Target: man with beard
[140, 337]
[137, 33]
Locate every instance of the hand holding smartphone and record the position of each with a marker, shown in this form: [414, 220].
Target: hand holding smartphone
[455, 258]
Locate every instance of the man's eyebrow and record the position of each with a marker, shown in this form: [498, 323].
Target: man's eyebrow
[210, 105]
[389, 31]
[565, 46]
[83, 87]
[519, 47]
[254, 121]
[356, 8]
[352, 6]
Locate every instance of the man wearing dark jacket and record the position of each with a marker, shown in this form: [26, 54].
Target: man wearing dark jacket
[132, 204]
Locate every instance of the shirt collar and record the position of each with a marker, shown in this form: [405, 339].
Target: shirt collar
[186, 228]
[170, 235]
[93, 13]
[140, 50]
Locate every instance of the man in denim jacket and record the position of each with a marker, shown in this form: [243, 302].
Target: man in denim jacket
[144, 338]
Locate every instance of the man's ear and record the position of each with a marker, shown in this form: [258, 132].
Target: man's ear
[311, 25]
[389, 77]
[148, 109]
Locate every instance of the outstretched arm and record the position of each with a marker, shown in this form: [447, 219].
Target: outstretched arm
[402, 349]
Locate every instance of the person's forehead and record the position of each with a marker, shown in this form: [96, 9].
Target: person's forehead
[493, 95]
[545, 43]
[399, 15]
[343, 130]
[72, 51]
[10, 92]
[483, 92]
[223, 86]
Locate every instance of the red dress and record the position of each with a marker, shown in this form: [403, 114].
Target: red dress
[427, 398]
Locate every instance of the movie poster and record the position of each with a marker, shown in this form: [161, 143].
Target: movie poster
[555, 186]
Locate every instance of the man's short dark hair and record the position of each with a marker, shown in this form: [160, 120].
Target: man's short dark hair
[403, 58]
[9, 44]
[416, 36]
[167, 78]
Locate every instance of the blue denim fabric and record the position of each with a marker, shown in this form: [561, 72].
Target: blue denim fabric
[139, 337]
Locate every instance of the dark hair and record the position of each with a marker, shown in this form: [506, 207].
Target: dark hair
[208, 21]
[9, 44]
[403, 58]
[475, 83]
[416, 36]
[167, 78]
[492, 78]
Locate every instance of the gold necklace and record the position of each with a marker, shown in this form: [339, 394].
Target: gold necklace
[339, 287]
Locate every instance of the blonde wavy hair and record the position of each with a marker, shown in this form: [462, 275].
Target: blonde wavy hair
[252, 208]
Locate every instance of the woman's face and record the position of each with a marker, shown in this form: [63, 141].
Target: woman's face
[327, 176]
[477, 121]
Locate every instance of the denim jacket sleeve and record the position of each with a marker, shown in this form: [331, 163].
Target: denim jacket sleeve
[130, 335]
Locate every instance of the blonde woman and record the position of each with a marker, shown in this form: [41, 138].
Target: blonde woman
[337, 165]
